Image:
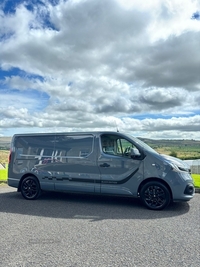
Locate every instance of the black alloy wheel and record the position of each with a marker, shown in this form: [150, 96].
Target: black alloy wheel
[155, 195]
[30, 188]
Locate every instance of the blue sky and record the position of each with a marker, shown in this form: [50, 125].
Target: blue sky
[100, 65]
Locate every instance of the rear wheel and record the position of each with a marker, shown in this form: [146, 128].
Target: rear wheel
[155, 195]
[30, 188]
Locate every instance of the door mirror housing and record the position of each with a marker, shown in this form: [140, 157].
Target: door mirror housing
[135, 153]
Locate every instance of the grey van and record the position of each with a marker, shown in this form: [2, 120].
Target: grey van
[99, 163]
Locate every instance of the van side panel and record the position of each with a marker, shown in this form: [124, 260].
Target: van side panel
[61, 162]
[75, 166]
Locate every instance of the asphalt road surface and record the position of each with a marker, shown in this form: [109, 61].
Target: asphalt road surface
[79, 230]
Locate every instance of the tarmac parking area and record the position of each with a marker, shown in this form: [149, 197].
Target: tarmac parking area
[68, 230]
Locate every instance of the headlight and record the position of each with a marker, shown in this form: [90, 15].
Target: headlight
[174, 167]
[177, 168]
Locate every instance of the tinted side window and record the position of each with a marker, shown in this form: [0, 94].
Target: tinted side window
[73, 146]
[32, 147]
[33, 150]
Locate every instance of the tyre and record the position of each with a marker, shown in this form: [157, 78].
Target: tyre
[30, 188]
[155, 195]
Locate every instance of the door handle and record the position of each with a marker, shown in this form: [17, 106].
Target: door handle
[105, 165]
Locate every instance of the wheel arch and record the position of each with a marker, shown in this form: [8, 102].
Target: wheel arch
[154, 179]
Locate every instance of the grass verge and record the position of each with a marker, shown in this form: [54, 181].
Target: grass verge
[196, 178]
[4, 174]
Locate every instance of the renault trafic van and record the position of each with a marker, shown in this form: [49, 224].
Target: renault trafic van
[99, 163]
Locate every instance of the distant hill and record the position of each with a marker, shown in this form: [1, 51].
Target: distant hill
[5, 143]
[184, 149]
[170, 142]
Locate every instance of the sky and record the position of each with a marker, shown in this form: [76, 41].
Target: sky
[89, 65]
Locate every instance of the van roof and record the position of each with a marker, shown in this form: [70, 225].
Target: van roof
[68, 133]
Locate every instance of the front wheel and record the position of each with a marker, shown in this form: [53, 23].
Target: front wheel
[155, 195]
[30, 188]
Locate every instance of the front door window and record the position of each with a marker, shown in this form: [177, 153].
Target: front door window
[114, 145]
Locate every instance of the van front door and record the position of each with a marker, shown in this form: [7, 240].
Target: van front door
[120, 172]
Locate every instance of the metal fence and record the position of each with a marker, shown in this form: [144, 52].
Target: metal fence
[195, 167]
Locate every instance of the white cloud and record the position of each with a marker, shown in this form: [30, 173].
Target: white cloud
[99, 64]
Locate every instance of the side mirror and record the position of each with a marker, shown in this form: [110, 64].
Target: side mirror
[135, 153]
